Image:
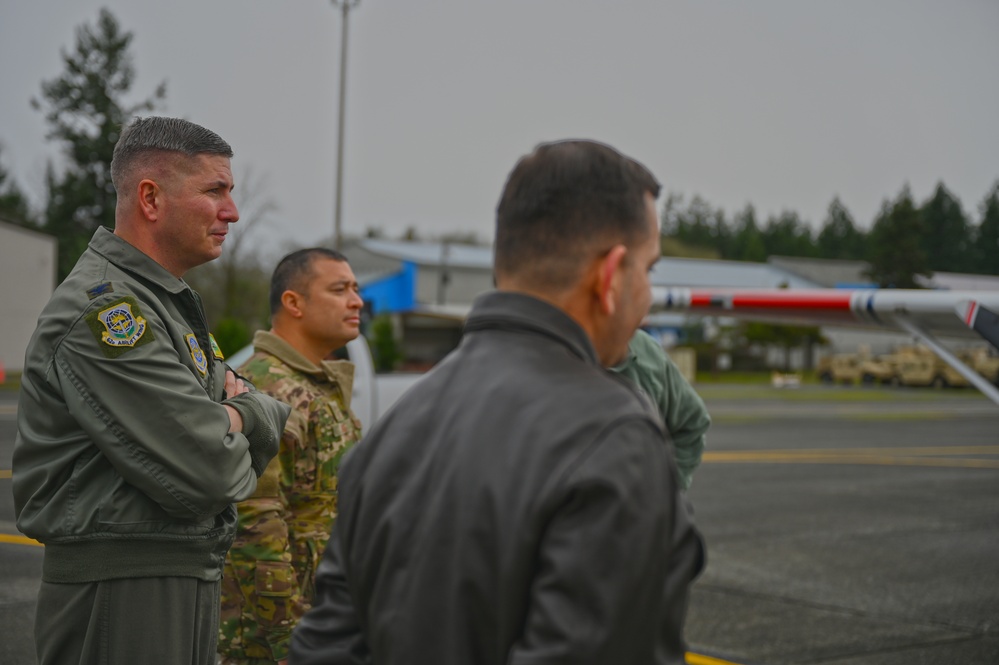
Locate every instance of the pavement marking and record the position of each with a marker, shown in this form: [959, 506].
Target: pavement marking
[939, 456]
[5, 473]
[698, 659]
[19, 540]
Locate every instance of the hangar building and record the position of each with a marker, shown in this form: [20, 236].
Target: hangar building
[28, 276]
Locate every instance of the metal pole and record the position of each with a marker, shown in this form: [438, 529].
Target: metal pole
[345, 6]
[443, 278]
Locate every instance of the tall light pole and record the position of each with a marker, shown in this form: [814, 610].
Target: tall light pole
[345, 6]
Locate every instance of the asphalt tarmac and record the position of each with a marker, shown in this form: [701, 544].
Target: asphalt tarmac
[844, 527]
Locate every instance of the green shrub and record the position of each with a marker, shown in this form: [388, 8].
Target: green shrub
[231, 335]
[383, 345]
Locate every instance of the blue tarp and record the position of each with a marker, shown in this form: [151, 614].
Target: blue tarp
[392, 293]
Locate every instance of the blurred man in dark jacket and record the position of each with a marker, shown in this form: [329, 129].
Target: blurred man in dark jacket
[519, 505]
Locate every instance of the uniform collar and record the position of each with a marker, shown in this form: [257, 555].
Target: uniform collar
[340, 372]
[518, 311]
[133, 260]
[629, 360]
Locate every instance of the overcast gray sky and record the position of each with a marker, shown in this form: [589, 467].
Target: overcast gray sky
[782, 103]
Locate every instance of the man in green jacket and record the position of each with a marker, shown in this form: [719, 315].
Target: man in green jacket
[269, 574]
[134, 438]
[680, 407]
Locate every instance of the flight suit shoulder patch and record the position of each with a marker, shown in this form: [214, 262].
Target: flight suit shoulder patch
[216, 351]
[197, 353]
[119, 327]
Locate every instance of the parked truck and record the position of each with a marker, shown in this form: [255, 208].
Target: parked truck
[984, 361]
[851, 368]
[914, 366]
[926, 369]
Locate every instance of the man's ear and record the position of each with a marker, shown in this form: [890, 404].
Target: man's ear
[609, 279]
[292, 301]
[150, 199]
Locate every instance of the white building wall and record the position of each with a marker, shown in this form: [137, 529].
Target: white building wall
[27, 280]
[462, 287]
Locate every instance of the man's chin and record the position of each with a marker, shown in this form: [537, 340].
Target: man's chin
[346, 337]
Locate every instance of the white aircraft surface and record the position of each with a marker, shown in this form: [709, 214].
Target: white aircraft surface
[923, 313]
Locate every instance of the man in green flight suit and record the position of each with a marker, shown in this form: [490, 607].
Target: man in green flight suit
[284, 526]
[134, 439]
[681, 408]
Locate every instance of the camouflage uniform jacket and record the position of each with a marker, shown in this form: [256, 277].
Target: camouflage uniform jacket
[283, 528]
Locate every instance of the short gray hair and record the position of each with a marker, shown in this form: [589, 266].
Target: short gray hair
[159, 134]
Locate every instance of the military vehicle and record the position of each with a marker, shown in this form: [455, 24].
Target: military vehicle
[850, 368]
[925, 369]
[983, 362]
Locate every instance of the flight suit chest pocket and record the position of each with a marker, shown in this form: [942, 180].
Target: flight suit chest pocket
[334, 432]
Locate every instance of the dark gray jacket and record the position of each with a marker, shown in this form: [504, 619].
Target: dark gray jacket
[516, 506]
[123, 462]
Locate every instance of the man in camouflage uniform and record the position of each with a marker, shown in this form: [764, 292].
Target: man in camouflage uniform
[283, 528]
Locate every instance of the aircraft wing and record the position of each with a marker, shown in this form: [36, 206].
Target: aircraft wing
[925, 314]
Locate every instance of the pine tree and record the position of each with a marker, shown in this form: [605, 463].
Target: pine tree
[946, 240]
[839, 237]
[747, 241]
[896, 255]
[13, 203]
[86, 110]
[986, 242]
[787, 235]
[693, 230]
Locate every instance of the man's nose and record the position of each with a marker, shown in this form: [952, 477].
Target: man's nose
[229, 213]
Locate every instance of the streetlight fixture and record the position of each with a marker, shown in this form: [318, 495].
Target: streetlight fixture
[345, 6]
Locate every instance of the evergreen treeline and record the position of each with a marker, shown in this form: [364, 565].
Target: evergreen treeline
[905, 239]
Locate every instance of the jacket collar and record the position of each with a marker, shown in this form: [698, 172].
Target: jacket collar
[133, 260]
[339, 372]
[508, 310]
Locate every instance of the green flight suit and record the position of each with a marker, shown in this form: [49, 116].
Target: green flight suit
[682, 409]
